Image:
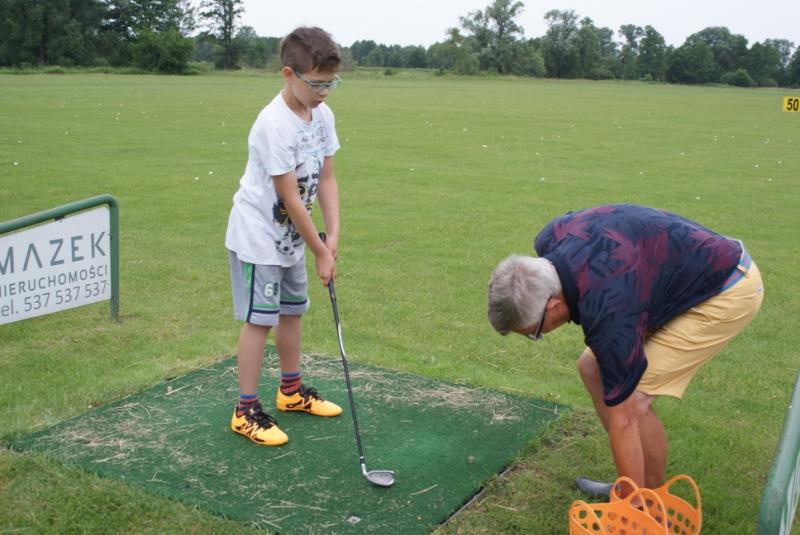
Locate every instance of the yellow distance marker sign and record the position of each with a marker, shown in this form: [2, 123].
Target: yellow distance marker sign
[791, 104]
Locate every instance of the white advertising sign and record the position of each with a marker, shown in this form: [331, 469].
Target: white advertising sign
[55, 266]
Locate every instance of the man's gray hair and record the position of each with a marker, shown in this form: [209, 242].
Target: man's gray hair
[518, 291]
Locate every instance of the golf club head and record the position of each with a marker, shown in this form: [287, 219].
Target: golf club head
[381, 478]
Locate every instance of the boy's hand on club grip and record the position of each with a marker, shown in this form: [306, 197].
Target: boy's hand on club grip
[326, 267]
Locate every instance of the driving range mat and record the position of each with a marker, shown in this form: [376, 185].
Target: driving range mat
[442, 440]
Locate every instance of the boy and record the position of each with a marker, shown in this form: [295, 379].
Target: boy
[290, 163]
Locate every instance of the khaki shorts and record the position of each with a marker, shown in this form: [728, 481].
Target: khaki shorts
[677, 350]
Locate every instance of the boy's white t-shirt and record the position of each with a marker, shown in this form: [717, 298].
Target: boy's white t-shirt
[259, 230]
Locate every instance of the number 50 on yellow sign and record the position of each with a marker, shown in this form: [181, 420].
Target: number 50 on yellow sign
[791, 104]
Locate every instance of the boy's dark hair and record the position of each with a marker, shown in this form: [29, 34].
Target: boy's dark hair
[306, 49]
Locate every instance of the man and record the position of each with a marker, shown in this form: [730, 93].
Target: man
[657, 296]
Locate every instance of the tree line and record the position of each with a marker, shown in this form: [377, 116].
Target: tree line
[148, 35]
[490, 40]
[163, 36]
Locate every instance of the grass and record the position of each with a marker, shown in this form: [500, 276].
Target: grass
[440, 178]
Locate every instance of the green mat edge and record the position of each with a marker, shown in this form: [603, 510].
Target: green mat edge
[14, 444]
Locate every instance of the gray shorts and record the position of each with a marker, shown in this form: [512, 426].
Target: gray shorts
[262, 293]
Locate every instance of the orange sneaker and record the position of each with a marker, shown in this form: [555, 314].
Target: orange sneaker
[306, 400]
[258, 426]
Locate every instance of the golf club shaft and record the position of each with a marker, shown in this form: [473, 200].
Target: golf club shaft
[332, 293]
[346, 371]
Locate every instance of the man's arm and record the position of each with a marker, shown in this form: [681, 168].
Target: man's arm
[286, 187]
[328, 196]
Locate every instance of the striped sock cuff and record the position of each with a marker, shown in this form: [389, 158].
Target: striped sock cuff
[245, 402]
[290, 382]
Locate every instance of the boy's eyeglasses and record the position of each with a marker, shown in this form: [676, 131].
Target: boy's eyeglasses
[319, 87]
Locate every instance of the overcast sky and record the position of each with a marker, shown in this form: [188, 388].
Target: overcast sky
[424, 22]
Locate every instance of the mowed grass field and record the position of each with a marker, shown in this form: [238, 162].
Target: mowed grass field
[440, 178]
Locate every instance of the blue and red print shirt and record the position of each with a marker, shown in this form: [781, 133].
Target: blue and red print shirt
[626, 270]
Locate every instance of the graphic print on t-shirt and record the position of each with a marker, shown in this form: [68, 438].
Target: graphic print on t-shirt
[307, 185]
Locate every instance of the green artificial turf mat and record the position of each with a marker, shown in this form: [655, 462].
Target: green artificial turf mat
[442, 440]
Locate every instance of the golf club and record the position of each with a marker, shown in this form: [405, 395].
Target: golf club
[381, 478]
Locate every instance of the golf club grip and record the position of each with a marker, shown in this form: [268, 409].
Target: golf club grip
[335, 308]
[331, 291]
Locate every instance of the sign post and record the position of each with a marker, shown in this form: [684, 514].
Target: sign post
[59, 259]
[779, 502]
